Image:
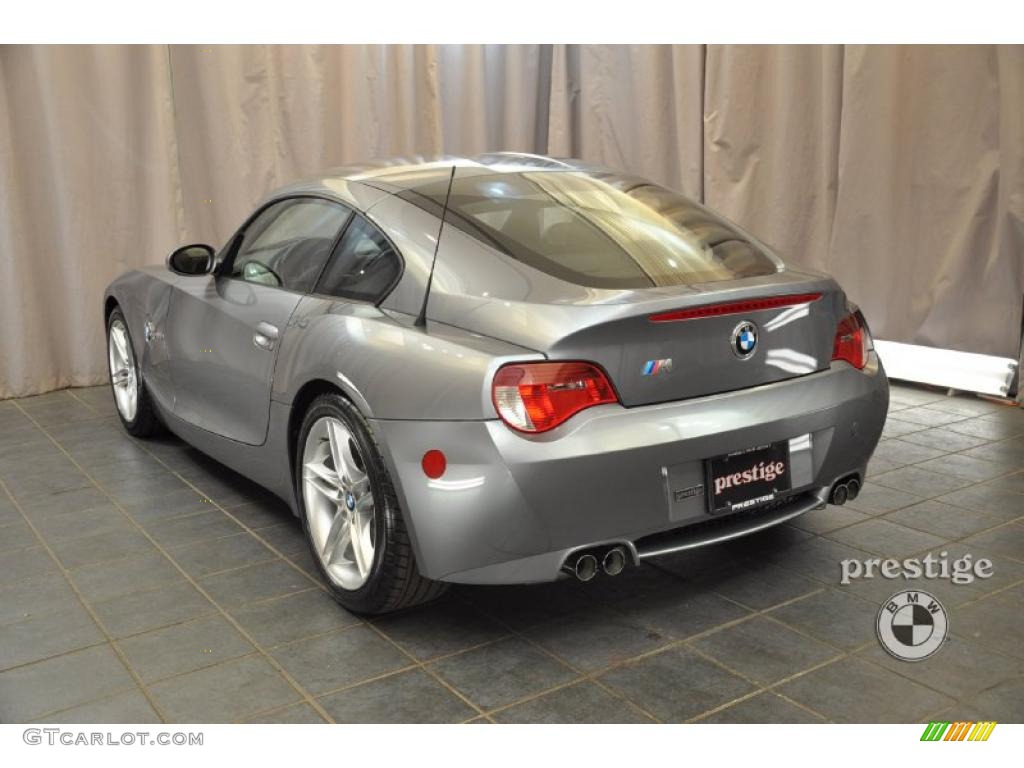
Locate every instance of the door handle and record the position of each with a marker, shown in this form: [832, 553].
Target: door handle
[265, 336]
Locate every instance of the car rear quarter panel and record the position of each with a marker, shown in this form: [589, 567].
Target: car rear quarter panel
[391, 368]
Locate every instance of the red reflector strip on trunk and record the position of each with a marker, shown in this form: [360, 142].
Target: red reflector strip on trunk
[734, 307]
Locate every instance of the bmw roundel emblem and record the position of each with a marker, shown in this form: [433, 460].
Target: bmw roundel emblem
[744, 340]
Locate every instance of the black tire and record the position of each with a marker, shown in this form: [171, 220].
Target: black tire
[146, 422]
[394, 581]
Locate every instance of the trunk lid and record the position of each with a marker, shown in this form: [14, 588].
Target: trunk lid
[653, 362]
[749, 344]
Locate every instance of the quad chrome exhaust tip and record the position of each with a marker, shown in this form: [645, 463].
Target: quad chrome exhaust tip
[587, 564]
[844, 491]
[585, 567]
[614, 561]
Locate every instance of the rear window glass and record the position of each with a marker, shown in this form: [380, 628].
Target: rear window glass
[591, 232]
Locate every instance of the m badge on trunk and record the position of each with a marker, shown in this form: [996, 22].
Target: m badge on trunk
[655, 367]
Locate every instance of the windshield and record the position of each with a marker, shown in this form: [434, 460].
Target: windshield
[588, 231]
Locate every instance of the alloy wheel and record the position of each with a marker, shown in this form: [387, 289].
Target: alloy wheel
[122, 371]
[340, 509]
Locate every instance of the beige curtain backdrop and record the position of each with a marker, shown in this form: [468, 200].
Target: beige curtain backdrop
[900, 169]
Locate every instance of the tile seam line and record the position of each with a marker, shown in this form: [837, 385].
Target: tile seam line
[322, 712]
[581, 675]
[53, 656]
[770, 687]
[687, 641]
[99, 699]
[784, 564]
[921, 530]
[270, 660]
[88, 608]
[591, 676]
[594, 675]
[916, 554]
[765, 613]
[420, 665]
[425, 666]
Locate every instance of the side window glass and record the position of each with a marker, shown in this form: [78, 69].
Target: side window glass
[288, 244]
[363, 267]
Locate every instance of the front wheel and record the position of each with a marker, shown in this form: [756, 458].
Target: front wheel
[134, 406]
[351, 515]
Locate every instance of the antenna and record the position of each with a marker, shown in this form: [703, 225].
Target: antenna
[421, 319]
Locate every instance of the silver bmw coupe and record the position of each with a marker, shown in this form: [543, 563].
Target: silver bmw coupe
[499, 370]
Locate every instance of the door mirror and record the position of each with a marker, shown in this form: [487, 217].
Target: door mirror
[191, 260]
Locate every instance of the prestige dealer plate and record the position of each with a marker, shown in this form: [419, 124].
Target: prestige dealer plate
[748, 478]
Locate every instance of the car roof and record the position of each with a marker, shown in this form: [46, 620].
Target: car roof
[394, 175]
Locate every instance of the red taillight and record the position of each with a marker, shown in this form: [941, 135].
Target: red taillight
[536, 397]
[852, 341]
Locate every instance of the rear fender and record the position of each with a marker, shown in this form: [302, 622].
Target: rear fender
[389, 367]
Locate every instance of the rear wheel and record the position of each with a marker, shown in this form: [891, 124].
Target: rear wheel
[351, 514]
[134, 406]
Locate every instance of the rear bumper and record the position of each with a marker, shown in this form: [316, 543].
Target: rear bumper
[510, 508]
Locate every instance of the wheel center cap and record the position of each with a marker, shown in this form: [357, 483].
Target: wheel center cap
[350, 500]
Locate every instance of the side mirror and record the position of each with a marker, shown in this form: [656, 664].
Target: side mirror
[191, 260]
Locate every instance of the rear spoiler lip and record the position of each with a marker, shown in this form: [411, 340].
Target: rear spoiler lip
[736, 307]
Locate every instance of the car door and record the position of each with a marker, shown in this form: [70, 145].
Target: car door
[224, 330]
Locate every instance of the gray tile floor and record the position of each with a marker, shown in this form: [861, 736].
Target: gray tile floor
[140, 582]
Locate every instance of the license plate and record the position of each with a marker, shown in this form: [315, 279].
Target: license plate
[749, 478]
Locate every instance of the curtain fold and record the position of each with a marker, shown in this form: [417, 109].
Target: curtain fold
[927, 232]
[253, 118]
[89, 189]
[900, 169]
[636, 108]
[493, 97]
[771, 143]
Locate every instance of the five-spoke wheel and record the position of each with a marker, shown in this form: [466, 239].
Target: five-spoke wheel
[339, 502]
[350, 511]
[136, 410]
[122, 370]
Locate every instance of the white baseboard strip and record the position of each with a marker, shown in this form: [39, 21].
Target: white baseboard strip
[964, 371]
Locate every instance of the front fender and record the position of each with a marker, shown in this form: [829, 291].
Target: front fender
[145, 295]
